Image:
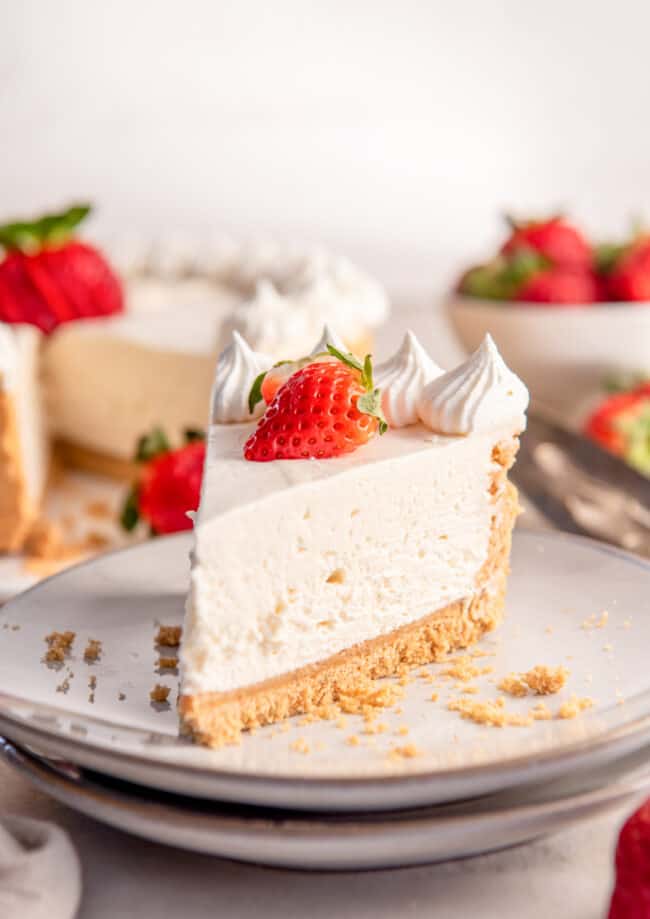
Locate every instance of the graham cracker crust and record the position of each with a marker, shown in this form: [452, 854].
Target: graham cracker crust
[94, 461]
[217, 718]
[16, 510]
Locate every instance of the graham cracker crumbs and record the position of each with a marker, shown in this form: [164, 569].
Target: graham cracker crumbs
[59, 645]
[541, 680]
[574, 706]
[169, 636]
[434, 696]
[93, 650]
[408, 751]
[64, 685]
[489, 713]
[159, 693]
[470, 690]
[121, 696]
[402, 730]
[300, 745]
[608, 647]
[100, 510]
[549, 630]
[541, 712]
[285, 726]
[375, 728]
[602, 622]
[463, 669]
[92, 686]
[595, 621]
[352, 740]
[167, 663]
[341, 722]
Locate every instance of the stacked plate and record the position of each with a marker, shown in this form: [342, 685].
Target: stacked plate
[416, 784]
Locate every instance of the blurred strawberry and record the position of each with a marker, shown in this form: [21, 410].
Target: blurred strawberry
[169, 485]
[559, 285]
[556, 240]
[502, 278]
[631, 897]
[628, 274]
[621, 424]
[47, 277]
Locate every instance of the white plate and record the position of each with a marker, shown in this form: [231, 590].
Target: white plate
[557, 583]
[351, 842]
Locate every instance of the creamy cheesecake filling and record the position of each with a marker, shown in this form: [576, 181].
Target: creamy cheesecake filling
[30, 416]
[310, 558]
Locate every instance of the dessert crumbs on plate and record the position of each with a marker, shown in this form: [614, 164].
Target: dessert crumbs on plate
[368, 695]
[540, 680]
[463, 669]
[300, 745]
[402, 730]
[168, 663]
[491, 713]
[352, 740]
[59, 645]
[574, 706]
[121, 696]
[159, 693]
[434, 696]
[408, 751]
[93, 650]
[169, 636]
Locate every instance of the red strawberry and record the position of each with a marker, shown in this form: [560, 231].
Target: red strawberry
[555, 239]
[560, 286]
[325, 409]
[47, 277]
[169, 486]
[621, 424]
[631, 897]
[629, 277]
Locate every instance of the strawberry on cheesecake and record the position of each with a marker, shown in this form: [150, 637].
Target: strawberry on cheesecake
[351, 521]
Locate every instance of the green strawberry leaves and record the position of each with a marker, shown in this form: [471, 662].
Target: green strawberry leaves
[52, 229]
[130, 511]
[151, 445]
[370, 402]
[255, 395]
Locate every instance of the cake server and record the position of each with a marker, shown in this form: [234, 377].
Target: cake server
[581, 488]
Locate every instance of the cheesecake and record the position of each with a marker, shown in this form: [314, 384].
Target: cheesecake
[24, 445]
[153, 365]
[350, 524]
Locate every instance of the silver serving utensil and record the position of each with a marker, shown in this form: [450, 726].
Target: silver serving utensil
[581, 488]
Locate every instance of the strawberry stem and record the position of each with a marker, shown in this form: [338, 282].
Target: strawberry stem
[51, 229]
[370, 402]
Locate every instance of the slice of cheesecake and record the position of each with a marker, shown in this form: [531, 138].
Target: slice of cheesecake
[345, 553]
[24, 454]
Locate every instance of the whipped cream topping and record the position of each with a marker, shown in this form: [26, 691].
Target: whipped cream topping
[329, 337]
[402, 379]
[272, 323]
[482, 394]
[237, 368]
[8, 358]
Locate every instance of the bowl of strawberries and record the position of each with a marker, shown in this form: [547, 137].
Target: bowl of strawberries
[567, 313]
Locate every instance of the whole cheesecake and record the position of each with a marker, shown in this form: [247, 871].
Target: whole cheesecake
[327, 551]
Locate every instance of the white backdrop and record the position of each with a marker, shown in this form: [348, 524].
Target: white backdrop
[393, 130]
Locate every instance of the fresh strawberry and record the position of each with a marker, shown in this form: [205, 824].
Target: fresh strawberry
[554, 239]
[503, 277]
[169, 484]
[559, 285]
[628, 277]
[47, 277]
[325, 409]
[621, 424]
[631, 897]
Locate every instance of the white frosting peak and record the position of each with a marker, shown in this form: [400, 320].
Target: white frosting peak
[237, 367]
[328, 337]
[480, 395]
[402, 379]
[8, 358]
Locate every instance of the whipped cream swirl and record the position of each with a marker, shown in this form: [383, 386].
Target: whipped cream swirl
[402, 379]
[482, 394]
[271, 320]
[237, 368]
[328, 337]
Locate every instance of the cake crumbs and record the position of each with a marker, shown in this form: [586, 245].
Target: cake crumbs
[352, 740]
[367, 695]
[541, 712]
[493, 714]
[574, 706]
[59, 645]
[470, 690]
[300, 745]
[540, 680]
[169, 636]
[159, 693]
[64, 685]
[93, 650]
[121, 696]
[92, 686]
[168, 663]
[408, 751]
[463, 669]
[434, 696]
[341, 722]
[608, 648]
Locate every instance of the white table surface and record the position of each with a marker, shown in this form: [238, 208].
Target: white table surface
[567, 875]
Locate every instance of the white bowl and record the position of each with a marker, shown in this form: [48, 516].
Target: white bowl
[563, 353]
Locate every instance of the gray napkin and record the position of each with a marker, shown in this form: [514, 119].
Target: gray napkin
[40, 875]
